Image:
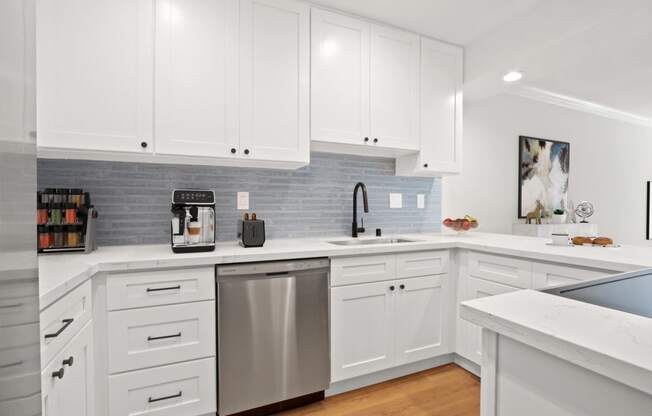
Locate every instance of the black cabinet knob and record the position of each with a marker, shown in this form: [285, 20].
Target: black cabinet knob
[376, 140]
[402, 286]
[58, 374]
[392, 287]
[246, 151]
[233, 150]
[68, 361]
[143, 145]
[425, 165]
[366, 139]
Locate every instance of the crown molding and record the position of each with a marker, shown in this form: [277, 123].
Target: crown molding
[549, 97]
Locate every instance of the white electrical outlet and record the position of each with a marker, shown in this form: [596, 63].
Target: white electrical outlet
[395, 200]
[421, 201]
[243, 200]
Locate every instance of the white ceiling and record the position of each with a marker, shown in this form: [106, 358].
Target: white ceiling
[598, 52]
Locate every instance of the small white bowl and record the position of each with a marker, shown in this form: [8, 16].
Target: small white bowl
[560, 239]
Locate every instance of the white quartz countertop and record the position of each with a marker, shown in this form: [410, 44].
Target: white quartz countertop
[615, 344]
[58, 274]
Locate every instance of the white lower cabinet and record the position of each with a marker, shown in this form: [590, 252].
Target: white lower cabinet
[548, 275]
[68, 381]
[377, 323]
[478, 288]
[185, 389]
[421, 318]
[362, 330]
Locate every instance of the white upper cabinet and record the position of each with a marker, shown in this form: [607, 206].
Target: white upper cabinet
[94, 75]
[339, 78]
[274, 80]
[196, 84]
[440, 112]
[394, 88]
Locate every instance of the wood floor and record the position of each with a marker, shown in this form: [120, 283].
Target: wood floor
[443, 391]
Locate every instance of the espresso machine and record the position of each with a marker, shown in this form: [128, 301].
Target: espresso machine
[193, 221]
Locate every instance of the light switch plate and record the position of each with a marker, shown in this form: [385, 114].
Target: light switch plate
[395, 200]
[243, 200]
[421, 201]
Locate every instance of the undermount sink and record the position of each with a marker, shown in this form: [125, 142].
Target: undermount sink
[365, 242]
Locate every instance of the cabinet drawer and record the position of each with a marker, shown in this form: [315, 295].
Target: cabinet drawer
[160, 287]
[147, 337]
[20, 370]
[19, 303]
[185, 389]
[548, 275]
[421, 263]
[501, 269]
[362, 269]
[63, 319]
[24, 406]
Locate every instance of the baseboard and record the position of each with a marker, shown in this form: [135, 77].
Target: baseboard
[389, 374]
[467, 364]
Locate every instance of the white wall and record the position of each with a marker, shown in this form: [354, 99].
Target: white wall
[610, 161]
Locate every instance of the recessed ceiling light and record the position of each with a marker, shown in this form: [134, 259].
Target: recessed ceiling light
[512, 76]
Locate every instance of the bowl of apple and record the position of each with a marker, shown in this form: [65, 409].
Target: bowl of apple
[461, 225]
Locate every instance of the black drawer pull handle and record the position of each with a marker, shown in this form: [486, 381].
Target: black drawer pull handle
[58, 374]
[164, 337]
[17, 363]
[68, 361]
[158, 399]
[158, 289]
[14, 305]
[66, 323]
[402, 286]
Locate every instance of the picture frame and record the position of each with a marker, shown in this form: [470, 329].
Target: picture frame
[553, 188]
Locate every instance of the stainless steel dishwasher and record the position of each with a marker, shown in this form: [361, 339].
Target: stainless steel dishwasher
[273, 334]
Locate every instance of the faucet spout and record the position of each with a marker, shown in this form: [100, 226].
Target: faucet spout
[365, 205]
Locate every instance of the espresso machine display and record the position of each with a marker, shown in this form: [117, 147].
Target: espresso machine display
[193, 221]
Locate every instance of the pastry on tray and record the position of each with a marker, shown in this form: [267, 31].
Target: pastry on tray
[602, 241]
[579, 240]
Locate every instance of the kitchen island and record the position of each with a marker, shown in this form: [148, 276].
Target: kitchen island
[546, 354]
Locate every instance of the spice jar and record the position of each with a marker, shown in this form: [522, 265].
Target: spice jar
[48, 195]
[71, 213]
[56, 214]
[73, 236]
[43, 237]
[41, 213]
[76, 197]
[58, 237]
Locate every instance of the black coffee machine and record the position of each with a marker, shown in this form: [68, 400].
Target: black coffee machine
[193, 221]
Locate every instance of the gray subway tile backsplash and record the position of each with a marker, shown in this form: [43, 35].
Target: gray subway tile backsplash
[133, 199]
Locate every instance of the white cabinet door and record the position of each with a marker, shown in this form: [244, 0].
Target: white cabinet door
[339, 78]
[94, 74]
[71, 394]
[362, 329]
[548, 275]
[394, 88]
[421, 318]
[196, 78]
[274, 80]
[441, 107]
[478, 288]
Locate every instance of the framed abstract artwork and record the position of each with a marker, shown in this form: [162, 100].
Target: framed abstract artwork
[543, 175]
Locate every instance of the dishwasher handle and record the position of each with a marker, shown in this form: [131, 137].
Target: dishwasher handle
[272, 268]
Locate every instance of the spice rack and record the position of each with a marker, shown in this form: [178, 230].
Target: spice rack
[65, 221]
